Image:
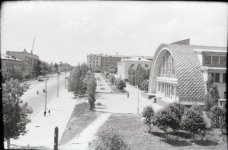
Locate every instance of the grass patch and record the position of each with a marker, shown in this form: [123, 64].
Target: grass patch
[134, 133]
[80, 118]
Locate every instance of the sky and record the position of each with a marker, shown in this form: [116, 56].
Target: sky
[68, 31]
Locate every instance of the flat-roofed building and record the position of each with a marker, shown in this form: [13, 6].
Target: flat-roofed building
[11, 66]
[30, 60]
[125, 64]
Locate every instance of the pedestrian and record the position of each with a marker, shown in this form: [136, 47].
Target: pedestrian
[49, 112]
[44, 113]
[37, 92]
[127, 94]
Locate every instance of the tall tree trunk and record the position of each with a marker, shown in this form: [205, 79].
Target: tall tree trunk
[8, 143]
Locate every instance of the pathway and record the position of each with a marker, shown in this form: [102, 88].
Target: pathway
[82, 141]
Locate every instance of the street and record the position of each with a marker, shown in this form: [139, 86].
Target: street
[37, 101]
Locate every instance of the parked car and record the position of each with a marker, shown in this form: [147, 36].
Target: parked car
[40, 78]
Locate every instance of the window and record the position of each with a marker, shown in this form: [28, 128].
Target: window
[223, 60]
[215, 60]
[207, 59]
[215, 76]
[224, 77]
[132, 65]
[146, 65]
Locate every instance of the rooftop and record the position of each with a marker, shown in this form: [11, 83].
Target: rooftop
[9, 58]
[137, 59]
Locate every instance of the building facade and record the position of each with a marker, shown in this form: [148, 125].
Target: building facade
[180, 71]
[11, 66]
[30, 60]
[102, 62]
[125, 64]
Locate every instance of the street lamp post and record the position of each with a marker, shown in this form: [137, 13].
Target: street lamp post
[138, 100]
[45, 94]
[58, 84]
[65, 78]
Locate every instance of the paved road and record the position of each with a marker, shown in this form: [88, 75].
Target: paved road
[37, 102]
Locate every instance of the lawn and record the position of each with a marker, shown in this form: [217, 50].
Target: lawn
[134, 133]
[80, 118]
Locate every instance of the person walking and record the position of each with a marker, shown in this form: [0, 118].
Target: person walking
[44, 113]
[49, 112]
[37, 92]
[127, 94]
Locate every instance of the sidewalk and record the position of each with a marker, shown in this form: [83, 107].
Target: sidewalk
[41, 129]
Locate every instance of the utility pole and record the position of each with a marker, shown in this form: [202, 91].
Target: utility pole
[45, 94]
[65, 78]
[58, 84]
[138, 100]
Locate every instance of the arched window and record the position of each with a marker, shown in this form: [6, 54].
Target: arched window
[167, 66]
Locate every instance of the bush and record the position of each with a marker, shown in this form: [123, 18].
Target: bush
[217, 116]
[120, 84]
[193, 121]
[169, 117]
[197, 108]
[108, 139]
[148, 113]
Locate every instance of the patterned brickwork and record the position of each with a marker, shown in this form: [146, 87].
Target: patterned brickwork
[190, 79]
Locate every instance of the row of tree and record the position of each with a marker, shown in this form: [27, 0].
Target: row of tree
[138, 76]
[83, 82]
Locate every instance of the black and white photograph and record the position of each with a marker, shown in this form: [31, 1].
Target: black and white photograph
[114, 75]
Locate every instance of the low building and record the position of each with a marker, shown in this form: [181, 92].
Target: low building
[180, 71]
[30, 60]
[11, 66]
[125, 64]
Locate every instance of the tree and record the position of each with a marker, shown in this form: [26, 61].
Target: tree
[212, 96]
[148, 114]
[139, 75]
[131, 75]
[193, 121]
[112, 78]
[91, 89]
[37, 68]
[217, 116]
[15, 112]
[145, 85]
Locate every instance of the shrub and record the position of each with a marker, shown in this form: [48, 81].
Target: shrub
[197, 108]
[108, 139]
[193, 121]
[99, 104]
[120, 84]
[217, 116]
[169, 117]
[148, 113]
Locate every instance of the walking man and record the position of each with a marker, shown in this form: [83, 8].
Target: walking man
[44, 113]
[37, 92]
[49, 112]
